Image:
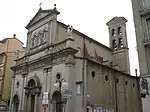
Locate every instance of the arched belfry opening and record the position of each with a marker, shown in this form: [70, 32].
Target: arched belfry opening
[119, 30]
[32, 91]
[117, 33]
[15, 104]
[113, 32]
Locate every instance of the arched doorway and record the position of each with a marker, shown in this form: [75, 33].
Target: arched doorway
[15, 103]
[57, 101]
[31, 96]
[33, 89]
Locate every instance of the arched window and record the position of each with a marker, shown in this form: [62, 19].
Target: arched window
[93, 74]
[119, 30]
[31, 83]
[113, 32]
[106, 77]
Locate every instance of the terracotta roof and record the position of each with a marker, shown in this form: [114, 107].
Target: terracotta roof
[116, 19]
[5, 39]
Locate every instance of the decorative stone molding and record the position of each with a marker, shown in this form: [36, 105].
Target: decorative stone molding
[36, 89]
[24, 75]
[46, 70]
[70, 60]
[39, 38]
[55, 54]
[33, 91]
[58, 60]
[13, 77]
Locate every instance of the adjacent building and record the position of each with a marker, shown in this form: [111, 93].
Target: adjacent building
[141, 13]
[64, 70]
[10, 49]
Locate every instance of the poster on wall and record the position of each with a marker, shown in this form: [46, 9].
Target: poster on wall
[102, 109]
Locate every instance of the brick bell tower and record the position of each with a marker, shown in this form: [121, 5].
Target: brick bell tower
[118, 42]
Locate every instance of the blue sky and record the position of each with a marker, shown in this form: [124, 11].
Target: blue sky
[87, 16]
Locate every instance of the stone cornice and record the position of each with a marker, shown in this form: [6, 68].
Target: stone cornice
[122, 73]
[48, 48]
[55, 54]
[144, 12]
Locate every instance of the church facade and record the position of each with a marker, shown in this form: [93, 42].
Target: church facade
[63, 70]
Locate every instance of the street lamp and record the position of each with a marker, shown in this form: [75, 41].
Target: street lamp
[62, 86]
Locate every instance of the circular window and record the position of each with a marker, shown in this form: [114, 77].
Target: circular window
[117, 80]
[93, 74]
[17, 84]
[126, 83]
[106, 77]
[58, 76]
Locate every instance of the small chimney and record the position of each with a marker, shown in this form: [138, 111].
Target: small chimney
[14, 35]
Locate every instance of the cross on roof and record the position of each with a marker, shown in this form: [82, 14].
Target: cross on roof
[40, 4]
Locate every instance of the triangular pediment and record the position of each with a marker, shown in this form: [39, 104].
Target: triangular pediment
[38, 16]
[116, 19]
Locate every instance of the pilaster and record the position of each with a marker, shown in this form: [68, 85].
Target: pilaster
[29, 34]
[25, 95]
[70, 62]
[12, 93]
[35, 106]
[29, 103]
[22, 92]
[48, 85]
[52, 29]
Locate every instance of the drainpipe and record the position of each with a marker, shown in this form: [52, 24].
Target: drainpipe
[84, 73]
[116, 99]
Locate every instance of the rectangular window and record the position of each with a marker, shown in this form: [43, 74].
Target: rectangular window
[147, 50]
[78, 87]
[148, 27]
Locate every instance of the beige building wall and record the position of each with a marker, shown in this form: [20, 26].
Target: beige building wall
[109, 87]
[94, 48]
[13, 49]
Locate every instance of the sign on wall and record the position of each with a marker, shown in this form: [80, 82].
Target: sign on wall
[3, 108]
[67, 94]
[45, 99]
[101, 109]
